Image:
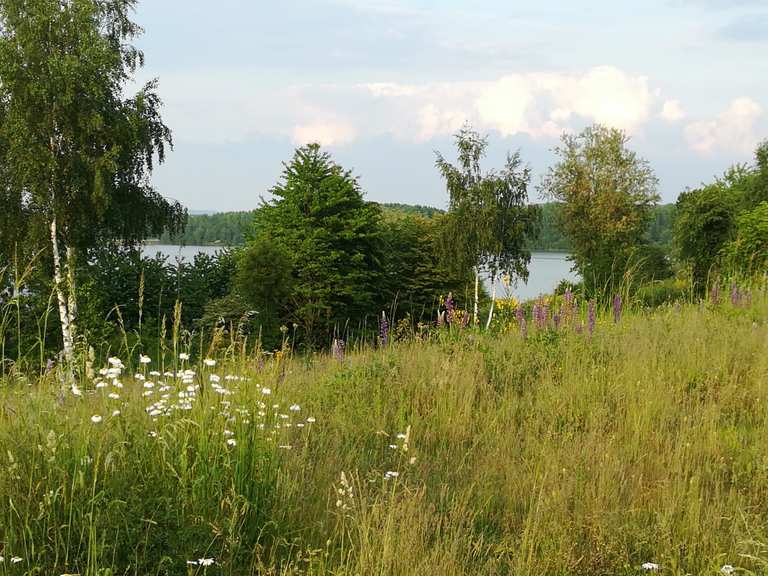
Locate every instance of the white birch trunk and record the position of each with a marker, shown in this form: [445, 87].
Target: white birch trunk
[477, 295]
[64, 313]
[71, 293]
[493, 301]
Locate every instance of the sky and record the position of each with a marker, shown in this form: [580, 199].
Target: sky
[383, 84]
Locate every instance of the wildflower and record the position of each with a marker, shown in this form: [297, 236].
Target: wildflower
[346, 494]
[183, 356]
[384, 329]
[16, 559]
[116, 363]
[266, 391]
[650, 567]
[228, 433]
[152, 434]
[591, 317]
[210, 363]
[149, 385]
[727, 569]
[205, 561]
[556, 319]
[338, 349]
[96, 418]
[76, 391]
[114, 396]
[391, 474]
[735, 294]
[295, 408]
[231, 442]
[450, 311]
[311, 420]
[144, 359]
[617, 309]
[115, 413]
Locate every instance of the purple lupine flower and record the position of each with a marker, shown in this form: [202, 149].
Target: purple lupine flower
[338, 349]
[535, 313]
[617, 308]
[735, 294]
[465, 319]
[556, 320]
[591, 317]
[449, 308]
[579, 328]
[384, 329]
[544, 315]
[715, 293]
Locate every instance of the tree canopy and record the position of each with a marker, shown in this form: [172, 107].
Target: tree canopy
[607, 192]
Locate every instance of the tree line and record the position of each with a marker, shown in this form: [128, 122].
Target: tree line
[231, 228]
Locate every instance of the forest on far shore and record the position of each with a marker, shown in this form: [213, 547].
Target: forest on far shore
[230, 228]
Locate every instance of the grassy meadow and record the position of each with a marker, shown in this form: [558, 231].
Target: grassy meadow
[559, 453]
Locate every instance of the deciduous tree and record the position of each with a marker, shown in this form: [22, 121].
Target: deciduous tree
[79, 153]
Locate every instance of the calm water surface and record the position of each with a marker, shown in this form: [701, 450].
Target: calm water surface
[547, 269]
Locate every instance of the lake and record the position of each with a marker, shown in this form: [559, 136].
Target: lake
[547, 269]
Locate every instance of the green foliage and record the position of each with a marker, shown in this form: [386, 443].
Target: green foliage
[225, 229]
[417, 209]
[416, 274]
[333, 238]
[78, 149]
[668, 291]
[748, 251]
[606, 192]
[705, 220]
[265, 281]
[490, 223]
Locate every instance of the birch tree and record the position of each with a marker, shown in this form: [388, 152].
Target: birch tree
[490, 223]
[78, 153]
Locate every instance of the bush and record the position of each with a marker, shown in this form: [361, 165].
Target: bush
[667, 291]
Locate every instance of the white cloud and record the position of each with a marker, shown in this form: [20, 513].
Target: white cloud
[324, 132]
[733, 129]
[233, 106]
[537, 104]
[672, 111]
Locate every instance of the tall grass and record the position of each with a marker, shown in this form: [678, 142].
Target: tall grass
[465, 453]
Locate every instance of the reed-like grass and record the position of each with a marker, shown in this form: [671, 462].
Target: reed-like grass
[469, 453]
